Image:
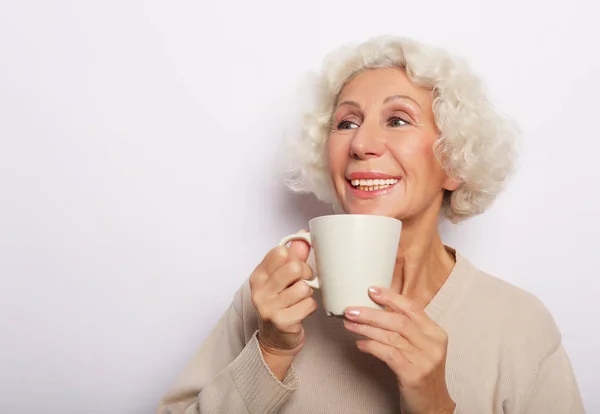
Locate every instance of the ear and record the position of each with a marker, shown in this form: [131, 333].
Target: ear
[451, 184]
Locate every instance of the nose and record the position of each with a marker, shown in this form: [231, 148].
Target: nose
[366, 142]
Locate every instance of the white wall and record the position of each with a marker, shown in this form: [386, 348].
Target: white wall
[137, 145]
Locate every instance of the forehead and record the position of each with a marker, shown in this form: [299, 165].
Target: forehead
[374, 85]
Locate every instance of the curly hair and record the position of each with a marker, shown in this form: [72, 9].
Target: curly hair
[476, 145]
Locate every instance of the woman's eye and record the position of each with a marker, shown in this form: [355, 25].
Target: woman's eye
[347, 125]
[397, 122]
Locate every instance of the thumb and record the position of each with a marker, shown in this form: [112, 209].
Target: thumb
[299, 249]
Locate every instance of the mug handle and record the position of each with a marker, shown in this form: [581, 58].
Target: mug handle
[302, 235]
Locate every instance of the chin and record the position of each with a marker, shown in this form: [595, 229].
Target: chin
[374, 209]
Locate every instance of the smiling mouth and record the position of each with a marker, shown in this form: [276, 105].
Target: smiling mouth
[373, 184]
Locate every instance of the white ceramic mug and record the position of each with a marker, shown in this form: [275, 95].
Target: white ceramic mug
[353, 252]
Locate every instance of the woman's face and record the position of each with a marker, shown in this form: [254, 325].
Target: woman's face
[380, 149]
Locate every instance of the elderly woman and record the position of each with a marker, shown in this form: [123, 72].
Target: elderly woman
[452, 339]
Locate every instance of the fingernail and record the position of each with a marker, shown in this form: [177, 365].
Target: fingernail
[352, 313]
[349, 324]
[375, 291]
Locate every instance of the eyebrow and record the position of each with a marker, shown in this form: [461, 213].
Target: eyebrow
[395, 97]
[386, 100]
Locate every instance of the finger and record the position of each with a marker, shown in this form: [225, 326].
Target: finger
[299, 249]
[390, 321]
[274, 259]
[293, 294]
[287, 275]
[295, 314]
[390, 338]
[393, 357]
[400, 304]
[403, 305]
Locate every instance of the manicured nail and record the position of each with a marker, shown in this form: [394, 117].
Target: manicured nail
[375, 291]
[352, 313]
[349, 324]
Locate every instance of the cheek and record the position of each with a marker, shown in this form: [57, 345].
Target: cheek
[337, 153]
[416, 156]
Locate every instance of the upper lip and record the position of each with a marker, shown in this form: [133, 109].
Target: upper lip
[370, 175]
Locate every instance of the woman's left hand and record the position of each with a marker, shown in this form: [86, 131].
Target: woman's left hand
[411, 344]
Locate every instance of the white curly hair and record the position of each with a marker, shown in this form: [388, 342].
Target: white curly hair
[476, 146]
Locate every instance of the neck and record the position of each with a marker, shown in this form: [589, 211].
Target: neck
[423, 264]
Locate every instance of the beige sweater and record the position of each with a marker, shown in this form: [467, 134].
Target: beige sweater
[504, 356]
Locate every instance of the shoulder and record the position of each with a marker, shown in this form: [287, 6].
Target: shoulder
[523, 319]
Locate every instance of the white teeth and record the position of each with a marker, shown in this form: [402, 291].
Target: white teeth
[372, 185]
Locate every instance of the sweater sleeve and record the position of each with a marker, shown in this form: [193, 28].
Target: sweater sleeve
[555, 389]
[228, 375]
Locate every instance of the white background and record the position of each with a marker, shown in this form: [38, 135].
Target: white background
[138, 143]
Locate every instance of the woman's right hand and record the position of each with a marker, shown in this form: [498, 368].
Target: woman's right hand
[282, 300]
